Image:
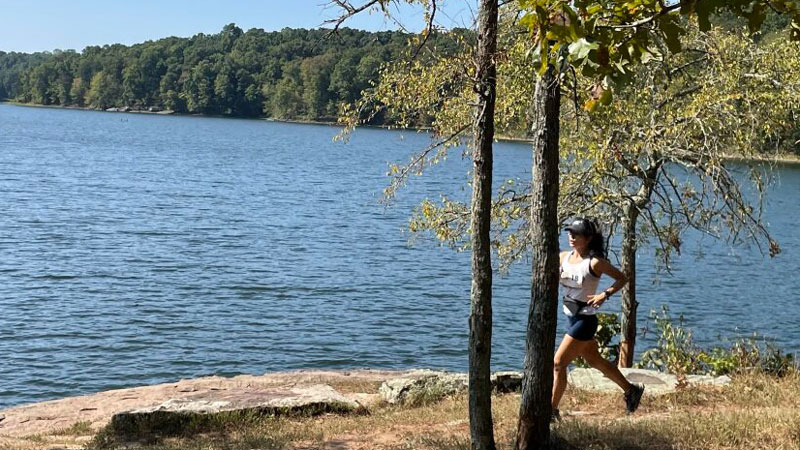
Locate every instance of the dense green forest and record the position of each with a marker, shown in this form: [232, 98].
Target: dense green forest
[287, 74]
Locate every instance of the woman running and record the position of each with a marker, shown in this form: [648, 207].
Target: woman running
[581, 270]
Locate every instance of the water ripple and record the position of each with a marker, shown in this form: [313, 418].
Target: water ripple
[177, 247]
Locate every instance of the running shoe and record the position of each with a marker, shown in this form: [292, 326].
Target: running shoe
[633, 397]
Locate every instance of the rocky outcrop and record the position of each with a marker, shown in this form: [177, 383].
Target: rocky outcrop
[655, 382]
[46, 418]
[423, 387]
[508, 381]
[175, 415]
[167, 407]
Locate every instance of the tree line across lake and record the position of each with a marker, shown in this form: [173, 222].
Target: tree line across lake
[287, 74]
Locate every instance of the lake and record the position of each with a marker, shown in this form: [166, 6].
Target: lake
[140, 249]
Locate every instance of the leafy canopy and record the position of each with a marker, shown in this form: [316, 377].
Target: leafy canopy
[606, 39]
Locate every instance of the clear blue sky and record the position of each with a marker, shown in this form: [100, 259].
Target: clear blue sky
[28, 26]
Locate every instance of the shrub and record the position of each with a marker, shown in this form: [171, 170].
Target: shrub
[675, 352]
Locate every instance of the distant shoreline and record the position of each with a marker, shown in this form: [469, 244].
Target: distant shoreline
[331, 123]
[782, 159]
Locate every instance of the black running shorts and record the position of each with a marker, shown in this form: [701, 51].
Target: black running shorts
[582, 328]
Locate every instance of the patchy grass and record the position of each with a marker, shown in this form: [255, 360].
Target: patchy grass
[754, 412]
[241, 440]
[733, 429]
[77, 429]
[354, 386]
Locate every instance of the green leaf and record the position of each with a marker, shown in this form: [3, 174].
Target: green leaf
[594, 9]
[560, 33]
[588, 70]
[544, 57]
[672, 32]
[606, 97]
[529, 21]
[580, 49]
[619, 78]
[651, 54]
[703, 10]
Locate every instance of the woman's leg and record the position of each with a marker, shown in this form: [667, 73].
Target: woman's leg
[593, 357]
[569, 349]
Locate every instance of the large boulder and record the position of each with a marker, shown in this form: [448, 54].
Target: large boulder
[505, 382]
[424, 386]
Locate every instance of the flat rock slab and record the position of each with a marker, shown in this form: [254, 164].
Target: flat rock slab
[286, 399]
[96, 410]
[173, 415]
[655, 382]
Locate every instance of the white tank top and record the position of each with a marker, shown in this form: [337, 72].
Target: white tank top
[578, 283]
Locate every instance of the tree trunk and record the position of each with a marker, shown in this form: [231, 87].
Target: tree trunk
[533, 429]
[480, 319]
[629, 303]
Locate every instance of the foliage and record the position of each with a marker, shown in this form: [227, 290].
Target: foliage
[660, 147]
[751, 353]
[606, 40]
[675, 352]
[291, 74]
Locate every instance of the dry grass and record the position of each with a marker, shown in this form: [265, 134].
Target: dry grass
[77, 429]
[754, 412]
[354, 386]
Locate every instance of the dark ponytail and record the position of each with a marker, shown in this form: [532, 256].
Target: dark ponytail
[597, 243]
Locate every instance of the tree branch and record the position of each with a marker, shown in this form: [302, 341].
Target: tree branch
[641, 22]
[419, 161]
[428, 29]
[350, 11]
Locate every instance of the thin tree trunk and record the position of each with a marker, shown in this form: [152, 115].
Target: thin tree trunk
[629, 304]
[480, 319]
[533, 429]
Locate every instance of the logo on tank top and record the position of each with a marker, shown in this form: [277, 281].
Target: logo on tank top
[571, 280]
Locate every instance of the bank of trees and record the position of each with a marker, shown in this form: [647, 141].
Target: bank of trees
[288, 74]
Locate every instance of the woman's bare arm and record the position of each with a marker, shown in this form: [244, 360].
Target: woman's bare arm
[602, 266]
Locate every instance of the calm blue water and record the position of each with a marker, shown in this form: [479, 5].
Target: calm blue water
[140, 249]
